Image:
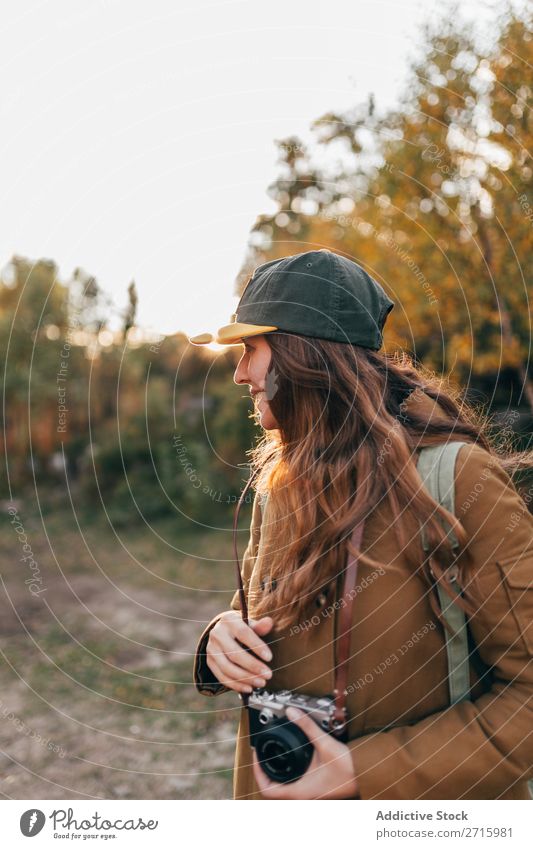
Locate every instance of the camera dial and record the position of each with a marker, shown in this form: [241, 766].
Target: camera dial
[265, 716]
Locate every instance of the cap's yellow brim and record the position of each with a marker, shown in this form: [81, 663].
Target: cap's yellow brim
[231, 334]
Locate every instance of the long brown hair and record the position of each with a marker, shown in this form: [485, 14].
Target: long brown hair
[344, 446]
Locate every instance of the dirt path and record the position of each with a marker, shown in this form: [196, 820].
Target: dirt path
[96, 695]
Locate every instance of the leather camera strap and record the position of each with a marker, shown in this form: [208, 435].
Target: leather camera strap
[342, 641]
[242, 595]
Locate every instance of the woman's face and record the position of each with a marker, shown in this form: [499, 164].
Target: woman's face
[252, 369]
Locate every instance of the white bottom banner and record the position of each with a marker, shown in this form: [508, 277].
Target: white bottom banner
[146, 822]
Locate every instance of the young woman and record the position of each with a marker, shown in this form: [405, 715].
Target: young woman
[343, 425]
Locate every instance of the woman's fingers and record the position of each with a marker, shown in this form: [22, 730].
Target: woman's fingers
[228, 655]
[269, 789]
[248, 637]
[235, 653]
[231, 623]
[232, 662]
[262, 626]
[232, 673]
[233, 682]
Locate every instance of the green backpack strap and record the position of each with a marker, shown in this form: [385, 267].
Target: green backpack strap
[436, 466]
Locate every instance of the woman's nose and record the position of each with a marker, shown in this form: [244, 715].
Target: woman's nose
[240, 375]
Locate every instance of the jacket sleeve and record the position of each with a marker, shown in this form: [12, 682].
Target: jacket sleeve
[473, 750]
[203, 678]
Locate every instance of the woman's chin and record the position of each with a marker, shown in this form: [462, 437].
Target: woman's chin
[267, 420]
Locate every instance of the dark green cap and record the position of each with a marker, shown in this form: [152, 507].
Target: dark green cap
[317, 293]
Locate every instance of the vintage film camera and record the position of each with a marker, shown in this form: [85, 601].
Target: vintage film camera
[283, 750]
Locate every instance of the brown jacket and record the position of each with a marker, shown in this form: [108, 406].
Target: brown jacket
[405, 739]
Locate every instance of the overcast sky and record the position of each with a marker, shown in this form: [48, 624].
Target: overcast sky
[138, 137]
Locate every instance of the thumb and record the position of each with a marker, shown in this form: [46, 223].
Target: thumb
[261, 626]
[315, 734]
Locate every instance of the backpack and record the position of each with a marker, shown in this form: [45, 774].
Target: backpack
[436, 466]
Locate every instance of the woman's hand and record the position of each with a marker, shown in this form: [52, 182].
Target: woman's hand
[227, 656]
[330, 774]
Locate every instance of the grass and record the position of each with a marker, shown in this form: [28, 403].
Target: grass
[101, 662]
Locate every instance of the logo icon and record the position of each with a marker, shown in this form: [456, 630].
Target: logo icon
[32, 822]
[271, 383]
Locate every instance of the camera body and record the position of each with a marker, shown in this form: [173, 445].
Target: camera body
[283, 750]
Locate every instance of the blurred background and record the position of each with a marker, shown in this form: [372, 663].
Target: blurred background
[151, 159]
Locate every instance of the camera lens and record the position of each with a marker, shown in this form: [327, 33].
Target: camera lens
[283, 750]
[277, 756]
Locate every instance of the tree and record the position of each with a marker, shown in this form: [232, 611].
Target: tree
[431, 198]
[131, 309]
